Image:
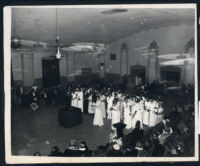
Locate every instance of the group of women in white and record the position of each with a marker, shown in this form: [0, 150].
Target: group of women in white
[120, 108]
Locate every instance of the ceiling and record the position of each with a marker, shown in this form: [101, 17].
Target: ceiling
[90, 24]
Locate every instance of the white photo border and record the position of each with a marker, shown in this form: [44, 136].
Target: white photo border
[11, 159]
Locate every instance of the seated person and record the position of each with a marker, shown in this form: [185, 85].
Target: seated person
[37, 154]
[84, 150]
[135, 136]
[115, 151]
[72, 149]
[55, 152]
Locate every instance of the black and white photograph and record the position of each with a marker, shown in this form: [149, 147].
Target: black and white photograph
[100, 83]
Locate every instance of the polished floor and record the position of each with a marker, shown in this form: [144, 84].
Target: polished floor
[40, 130]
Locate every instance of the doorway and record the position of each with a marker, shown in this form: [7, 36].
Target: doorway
[50, 72]
[171, 75]
[138, 74]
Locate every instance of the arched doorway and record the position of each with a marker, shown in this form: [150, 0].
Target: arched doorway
[171, 75]
[138, 74]
[124, 53]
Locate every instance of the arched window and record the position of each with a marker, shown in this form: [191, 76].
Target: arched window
[124, 53]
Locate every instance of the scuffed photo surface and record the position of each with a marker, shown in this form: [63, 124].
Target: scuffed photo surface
[102, 81]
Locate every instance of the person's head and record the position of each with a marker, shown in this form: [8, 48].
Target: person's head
[137, 125]
[37, 154]
[126, 99]
[83, 146]
[54, 150]
[98, 97]
[116, 147]
[115, 101]
[139, 146]
[72, 142]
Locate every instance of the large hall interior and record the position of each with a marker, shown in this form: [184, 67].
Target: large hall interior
[102, 81]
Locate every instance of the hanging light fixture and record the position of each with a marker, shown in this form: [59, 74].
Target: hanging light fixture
[58, 54]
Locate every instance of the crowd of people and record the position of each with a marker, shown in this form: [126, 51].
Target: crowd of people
[154, 132]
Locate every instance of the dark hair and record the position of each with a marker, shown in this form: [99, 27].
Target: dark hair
[54, 149]
[37, 154]
[94, 98]
[137, 125]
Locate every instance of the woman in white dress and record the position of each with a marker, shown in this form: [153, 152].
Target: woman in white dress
[146, 113]
[136, 113]
[98, 117]
[103, 105]
[90, 109]
[80, 99]
[153, 109]
[120, 98]
[115, 112]
[159, 113]
[127, 113]
[109, 101]
[74, 101]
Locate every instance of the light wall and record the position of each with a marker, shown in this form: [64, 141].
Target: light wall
[170, 40]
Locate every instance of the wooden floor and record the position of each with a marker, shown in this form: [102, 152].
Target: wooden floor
[40, 130]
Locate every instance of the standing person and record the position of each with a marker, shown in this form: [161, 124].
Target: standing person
[19, 94]
[115, 112]
[110, 102]
[90, 109]
[80, 99]
[34, 98]
[68, 98]
[74, 99]
[146, 115]
[98, 117]
[136, 113]
[120, 100]
[153, 110]
[94, 100]
[85, 101]
[159, 113]
[103, 106]
[127, 113]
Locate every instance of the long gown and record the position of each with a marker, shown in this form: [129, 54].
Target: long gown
[136, 115]
[103, 106]
[159, 114]
[127, 115]
[74, 101]
[109, 101]
[120, 104]
[90, 109]
[98, 117]
[80, 100]
[146, 114]
[115, 114]
[153, 116]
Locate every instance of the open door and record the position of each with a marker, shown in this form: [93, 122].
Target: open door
[50, 72]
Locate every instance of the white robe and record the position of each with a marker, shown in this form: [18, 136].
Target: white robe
[74, 100]
[90, 109]
[103, 105]
[136, 115]
[127, 115]
[115, 115]
[120, 97]
[98, 117]
[159, 115]
[153, 116]
[146, 114]
[110, 102]
[80, 100]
